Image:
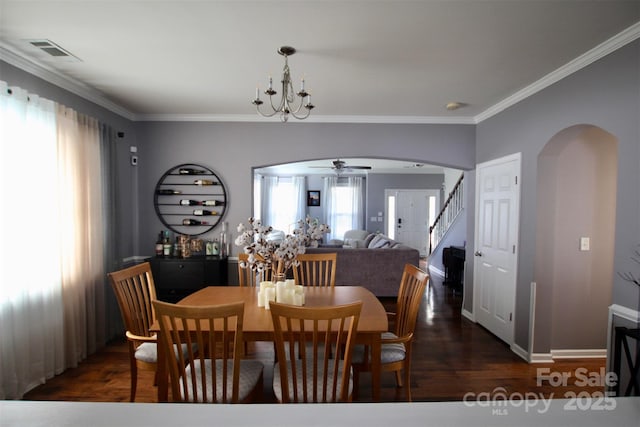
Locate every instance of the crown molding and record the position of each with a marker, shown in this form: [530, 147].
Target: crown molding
[56, 78]
[311, 119]
[616, 42]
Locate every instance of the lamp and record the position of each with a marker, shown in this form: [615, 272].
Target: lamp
[287, 105]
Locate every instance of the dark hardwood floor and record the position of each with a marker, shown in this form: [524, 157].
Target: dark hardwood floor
[453, 358]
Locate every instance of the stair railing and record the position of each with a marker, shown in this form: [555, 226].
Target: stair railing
[450, 210]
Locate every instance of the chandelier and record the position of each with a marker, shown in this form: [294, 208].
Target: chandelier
[288, 104]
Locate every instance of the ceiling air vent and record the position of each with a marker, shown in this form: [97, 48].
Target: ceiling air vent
[52, 49]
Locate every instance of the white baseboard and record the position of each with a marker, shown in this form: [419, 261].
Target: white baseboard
[469, 315]
[520, 352]
[541, 358]
[594, 353]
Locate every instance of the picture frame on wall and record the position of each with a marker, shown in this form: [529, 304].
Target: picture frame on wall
[313, 198]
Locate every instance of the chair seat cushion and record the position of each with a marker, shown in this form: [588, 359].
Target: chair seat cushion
[277, 385]
[250, 374]
[389, 353]
[148, 352]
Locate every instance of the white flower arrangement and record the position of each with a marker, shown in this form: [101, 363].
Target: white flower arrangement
[279, 257]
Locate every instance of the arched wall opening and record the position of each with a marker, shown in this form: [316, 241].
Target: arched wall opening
[576, 207]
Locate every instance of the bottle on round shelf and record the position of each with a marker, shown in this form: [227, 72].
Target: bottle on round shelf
[185, 202]
[193, 222]
[204, 182]
[202, 212]
[212, 203]
[190, 171]
[167, 192]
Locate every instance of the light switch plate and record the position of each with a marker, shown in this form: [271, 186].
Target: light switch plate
[585, 243]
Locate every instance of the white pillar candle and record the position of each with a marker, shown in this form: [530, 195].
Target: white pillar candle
[281, 292]
[297, 299]
[288, 296]
[270, 296]
[265, 284]
[290, 283]
[261, 298]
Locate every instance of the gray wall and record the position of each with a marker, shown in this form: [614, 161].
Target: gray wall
[605, 94]
[378, 183]
[234, 149]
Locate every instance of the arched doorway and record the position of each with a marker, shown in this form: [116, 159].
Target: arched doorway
[576, 208]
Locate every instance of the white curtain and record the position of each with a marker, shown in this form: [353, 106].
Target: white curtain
[343, 204]
[269, 185]
[282, 201]
[299, 188]
[355, 183]
[330, 203]
[51, 265]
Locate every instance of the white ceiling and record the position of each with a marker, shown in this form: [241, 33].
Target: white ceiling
[364, 61]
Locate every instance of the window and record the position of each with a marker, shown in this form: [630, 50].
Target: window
[279, 201]
[343, 204]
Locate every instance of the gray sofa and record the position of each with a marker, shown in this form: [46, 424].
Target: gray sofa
[379, 270]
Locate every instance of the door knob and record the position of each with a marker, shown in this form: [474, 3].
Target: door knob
[478, 253]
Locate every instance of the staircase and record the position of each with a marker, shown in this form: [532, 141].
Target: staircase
[450, 211]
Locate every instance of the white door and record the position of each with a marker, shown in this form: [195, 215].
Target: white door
[496, 246]
[409, 214]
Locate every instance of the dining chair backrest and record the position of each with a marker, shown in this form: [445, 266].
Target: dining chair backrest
[212, 337]
[314, 365]
[134, 289]
[249, 277]
[412, 286]
[316, 269]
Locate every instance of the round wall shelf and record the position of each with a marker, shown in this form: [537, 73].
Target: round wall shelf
[190, 199]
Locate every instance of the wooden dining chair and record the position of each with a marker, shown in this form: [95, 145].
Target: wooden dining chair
[212, 370]
[316, 269]
[396, 345]
[313, 366]
[247, 276]
[134, 289]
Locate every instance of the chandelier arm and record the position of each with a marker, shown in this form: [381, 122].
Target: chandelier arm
[280, 107]
[294, 114]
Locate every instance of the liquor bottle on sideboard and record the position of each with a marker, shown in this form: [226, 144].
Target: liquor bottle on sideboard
[159, 245]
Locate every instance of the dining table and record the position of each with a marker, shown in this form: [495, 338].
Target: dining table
[258, 325]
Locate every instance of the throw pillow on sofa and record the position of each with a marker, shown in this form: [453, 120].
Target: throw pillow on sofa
[380, 241]
[368, 239]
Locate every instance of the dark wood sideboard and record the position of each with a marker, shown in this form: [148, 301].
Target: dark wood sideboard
[175, 278]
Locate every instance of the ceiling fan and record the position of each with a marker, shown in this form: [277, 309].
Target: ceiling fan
[341, 166]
